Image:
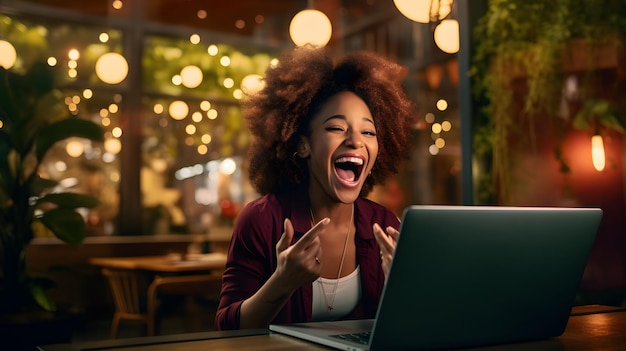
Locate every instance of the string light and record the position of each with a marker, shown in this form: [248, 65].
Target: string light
[111, 68]
[8, 55]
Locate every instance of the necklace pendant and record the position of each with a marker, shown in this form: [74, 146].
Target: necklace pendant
[330, 308]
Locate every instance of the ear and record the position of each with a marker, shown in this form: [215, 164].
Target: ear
[304, 147]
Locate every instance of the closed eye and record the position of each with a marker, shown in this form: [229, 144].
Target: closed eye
[334, 129]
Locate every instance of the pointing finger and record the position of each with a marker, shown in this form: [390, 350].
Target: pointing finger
[285, 239]
[312, 234]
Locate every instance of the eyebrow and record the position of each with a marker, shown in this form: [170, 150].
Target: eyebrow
[343, 117]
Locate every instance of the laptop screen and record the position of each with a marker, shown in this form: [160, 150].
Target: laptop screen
[473, 275]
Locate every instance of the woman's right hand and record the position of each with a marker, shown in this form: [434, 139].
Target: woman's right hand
[299, 264]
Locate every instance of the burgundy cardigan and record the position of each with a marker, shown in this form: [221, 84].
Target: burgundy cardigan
[252, 256]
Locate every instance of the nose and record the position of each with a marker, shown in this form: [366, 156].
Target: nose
[354, 140]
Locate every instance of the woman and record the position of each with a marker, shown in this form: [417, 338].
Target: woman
[312, 247]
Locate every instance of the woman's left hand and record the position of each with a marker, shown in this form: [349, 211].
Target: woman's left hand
[387, 243]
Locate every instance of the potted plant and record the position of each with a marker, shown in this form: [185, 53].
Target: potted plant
[32, 119]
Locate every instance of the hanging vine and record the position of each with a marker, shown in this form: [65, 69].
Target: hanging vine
[527, 39]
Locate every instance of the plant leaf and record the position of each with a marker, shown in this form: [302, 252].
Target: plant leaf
[66, 128]
[70, 200]
[38, 184]
[581, 121]
[39, 105]
[39, 294]
[37, 287]
[65, 224]
[598, 111]
[6, 176]
[39, 79]
[8, 106]
[46, 110]
[612, 122]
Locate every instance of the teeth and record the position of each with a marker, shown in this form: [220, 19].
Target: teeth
[354, 160]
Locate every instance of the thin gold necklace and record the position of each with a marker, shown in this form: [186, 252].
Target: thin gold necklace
[329, 305]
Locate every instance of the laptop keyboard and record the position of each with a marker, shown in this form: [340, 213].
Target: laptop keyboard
[361, 338]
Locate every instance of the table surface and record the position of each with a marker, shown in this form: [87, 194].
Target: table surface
[589, 328]
[163, 263]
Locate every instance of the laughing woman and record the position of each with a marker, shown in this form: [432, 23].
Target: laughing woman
[312, 247]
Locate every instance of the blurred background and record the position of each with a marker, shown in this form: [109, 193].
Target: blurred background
[509, 95]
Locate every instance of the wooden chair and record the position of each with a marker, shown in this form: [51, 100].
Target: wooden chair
[206, 285]
[125, 292]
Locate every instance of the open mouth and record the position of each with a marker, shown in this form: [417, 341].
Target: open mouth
[349, 168]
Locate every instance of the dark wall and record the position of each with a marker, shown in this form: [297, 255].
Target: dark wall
[539, 181]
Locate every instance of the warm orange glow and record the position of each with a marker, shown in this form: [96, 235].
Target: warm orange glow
[597, 152]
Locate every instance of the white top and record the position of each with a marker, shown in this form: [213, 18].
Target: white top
[347, 297]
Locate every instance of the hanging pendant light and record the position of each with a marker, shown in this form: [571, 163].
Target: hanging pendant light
[310, 27]
[424, 11]
[597, 152]
[446, 32]
[447, 36]
[415, 10]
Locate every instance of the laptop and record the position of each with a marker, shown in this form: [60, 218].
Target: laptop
[468, 276]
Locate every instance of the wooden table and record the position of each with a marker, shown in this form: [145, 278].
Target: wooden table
[163, 264]
[587, 329]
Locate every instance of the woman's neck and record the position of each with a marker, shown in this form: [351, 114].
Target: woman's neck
[336, 211]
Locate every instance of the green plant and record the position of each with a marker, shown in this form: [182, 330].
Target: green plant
[596, 114]
[521, 40]
[33, 120]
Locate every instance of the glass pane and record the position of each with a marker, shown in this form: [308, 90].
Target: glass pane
[77, 164]
[199, 67]
[194, 136]
[179, 176]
